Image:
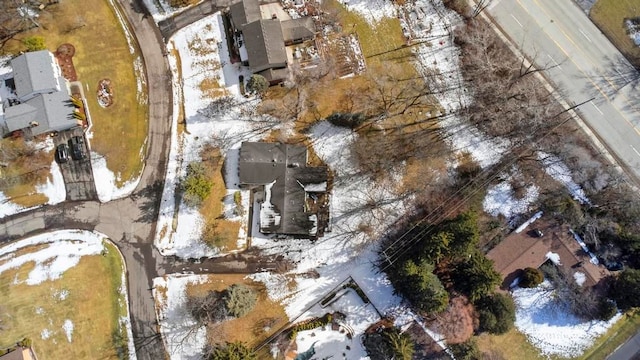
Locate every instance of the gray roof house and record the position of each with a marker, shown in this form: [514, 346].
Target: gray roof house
[265, 39]
[288, 185]
[38, 101]
[265, 44]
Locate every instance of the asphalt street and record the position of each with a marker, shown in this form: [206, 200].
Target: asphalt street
[582, 64]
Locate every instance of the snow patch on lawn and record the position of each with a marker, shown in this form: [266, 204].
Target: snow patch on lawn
[181, 337]
[500, 199]
[64, 250]
[105, 180]
[558, 170]
[579, 277]
[53, 187]
[45, 334]
[68, 329]
[549, 326]
[372, 10]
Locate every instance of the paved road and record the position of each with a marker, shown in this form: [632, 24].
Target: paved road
[129, 222]
[587, 66]
[628, 351]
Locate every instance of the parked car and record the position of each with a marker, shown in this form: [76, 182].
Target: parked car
[538, 233]
[77, 148]
[62, 153]
[614, 265]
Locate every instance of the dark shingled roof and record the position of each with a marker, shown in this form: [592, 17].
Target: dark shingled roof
[298, 29]
[265, 44]
[285, 166]
[244, 12]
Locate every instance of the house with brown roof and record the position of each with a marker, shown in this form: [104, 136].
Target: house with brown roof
[524, 249]
[264, 38]
[292, 195]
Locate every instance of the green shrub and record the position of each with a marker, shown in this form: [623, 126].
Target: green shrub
[497, 313]
[606, 309]
[196, 186]
[232, 351]
[240, 299]
[531, 278]
[348, 120]
[475, 277]
[257, 84]
[34, 43]
[466, 351]
[625, 290]
[420, 286]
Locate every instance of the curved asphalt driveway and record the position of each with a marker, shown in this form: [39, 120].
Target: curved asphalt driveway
[129, 222]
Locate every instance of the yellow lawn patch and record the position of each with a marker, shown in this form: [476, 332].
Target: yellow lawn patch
[93, 304]
[609, 16]
[265, 318]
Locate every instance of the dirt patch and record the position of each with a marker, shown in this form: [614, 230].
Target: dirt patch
[64, 55]
[105, 93]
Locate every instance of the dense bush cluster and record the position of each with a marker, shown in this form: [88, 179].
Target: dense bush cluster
[444, 261]
[196, 186]
[389, 344]
[531, 278]
[235, 301]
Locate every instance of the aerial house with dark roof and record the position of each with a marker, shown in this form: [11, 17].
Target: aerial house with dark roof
[292, 196]
[264, 38]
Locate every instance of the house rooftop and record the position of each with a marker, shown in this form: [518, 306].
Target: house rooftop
[244, 12]
[35, 72]
[265, 44]
[521, 250]
[19, 354]
[282, 169]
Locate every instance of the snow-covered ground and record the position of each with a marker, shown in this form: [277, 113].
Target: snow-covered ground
[182, 338]
[53, 188]
[345, 251]
[500, 200]
[226, 125]
[105, 181]
[551, 328]
[161, 9]
[329, 343]
[58, 252]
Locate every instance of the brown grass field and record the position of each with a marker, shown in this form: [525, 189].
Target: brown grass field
[250, 328]
[609, 16]
[94, 308]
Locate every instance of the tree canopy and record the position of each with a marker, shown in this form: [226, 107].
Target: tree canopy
[232, 351]
[420, 286]
[497, 313]
[626, 289]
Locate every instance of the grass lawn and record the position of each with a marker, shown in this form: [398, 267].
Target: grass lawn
[609, 16]
[265, 318]
[94, 308]
[101, 52]
[512, 345]
[217, 232]
[28, 169]
[617, 335]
